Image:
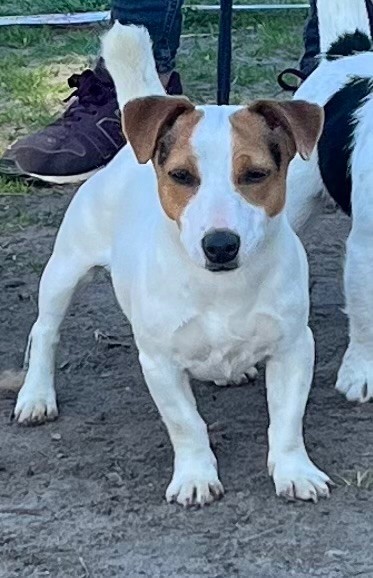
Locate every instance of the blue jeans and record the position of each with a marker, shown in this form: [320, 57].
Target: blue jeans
[163, 20]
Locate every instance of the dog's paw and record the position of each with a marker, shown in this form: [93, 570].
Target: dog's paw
[296, 477]
[250, 375]
[35, 406]
[195, 485]
[355, 376]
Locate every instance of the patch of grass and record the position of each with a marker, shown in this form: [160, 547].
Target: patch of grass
[256, 59]
[31, 87]
[13, 186]
[21, 37]
[31, 96]
[33, 78]
[361, 479]
[51, 43]
[9, 7]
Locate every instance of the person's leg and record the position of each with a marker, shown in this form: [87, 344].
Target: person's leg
[370, 14]
[88, 135]
[311, 40]
[163, 20]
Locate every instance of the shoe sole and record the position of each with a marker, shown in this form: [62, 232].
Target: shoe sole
[13, 170]
[64, 180]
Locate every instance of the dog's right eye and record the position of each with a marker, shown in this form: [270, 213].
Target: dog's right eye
[183, 177]
[252, 177]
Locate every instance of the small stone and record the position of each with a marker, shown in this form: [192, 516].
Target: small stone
[114, 479]
[56, 437]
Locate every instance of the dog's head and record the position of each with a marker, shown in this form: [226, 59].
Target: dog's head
[221, 170]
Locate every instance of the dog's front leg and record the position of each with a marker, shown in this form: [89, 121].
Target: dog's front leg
[36, 401]
[195, 479]
[289, 377]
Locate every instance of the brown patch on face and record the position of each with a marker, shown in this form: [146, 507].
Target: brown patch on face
[176, 165]
[301, 122]
[260, 162]
[159, 128]
[266, 136]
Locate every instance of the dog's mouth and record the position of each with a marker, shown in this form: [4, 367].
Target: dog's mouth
[220, 267]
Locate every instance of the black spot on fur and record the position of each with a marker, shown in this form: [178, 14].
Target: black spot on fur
[349, 44]
[275, 151]
[334, 147]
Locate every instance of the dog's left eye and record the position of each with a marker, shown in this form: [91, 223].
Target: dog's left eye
[252, 177]
[184, 177]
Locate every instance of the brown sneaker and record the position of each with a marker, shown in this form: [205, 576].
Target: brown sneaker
[82, 141]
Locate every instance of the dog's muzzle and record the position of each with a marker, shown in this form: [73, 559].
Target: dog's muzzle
[221, 250]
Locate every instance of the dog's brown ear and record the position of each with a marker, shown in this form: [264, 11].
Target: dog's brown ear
[144, 120]
[302, 121]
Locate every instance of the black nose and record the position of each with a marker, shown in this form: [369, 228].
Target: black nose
[221, 246]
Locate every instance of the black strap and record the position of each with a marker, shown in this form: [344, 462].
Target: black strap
[294, 72]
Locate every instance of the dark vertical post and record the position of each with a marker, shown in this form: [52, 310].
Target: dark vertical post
[224, 52]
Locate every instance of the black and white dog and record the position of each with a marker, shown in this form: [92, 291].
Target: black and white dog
[342, 165]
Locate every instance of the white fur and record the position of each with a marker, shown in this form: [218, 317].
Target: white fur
[187, 321]
[306, 190]
[129, 59]
[338, 17]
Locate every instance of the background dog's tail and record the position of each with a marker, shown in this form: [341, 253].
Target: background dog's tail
[128, 55]
[343, 27]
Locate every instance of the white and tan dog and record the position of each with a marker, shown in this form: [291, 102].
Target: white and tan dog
[189, 221]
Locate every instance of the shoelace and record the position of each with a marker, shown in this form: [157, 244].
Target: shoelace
[90, 92]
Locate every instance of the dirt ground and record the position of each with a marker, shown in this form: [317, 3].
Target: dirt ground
[84, 496]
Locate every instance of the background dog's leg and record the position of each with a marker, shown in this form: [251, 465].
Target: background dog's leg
[195, 479]
[37, 398]
[289, 377]
[355, 377]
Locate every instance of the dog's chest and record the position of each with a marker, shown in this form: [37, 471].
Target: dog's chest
[217, 346]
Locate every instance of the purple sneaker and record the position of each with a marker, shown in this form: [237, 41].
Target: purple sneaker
[82, 141]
